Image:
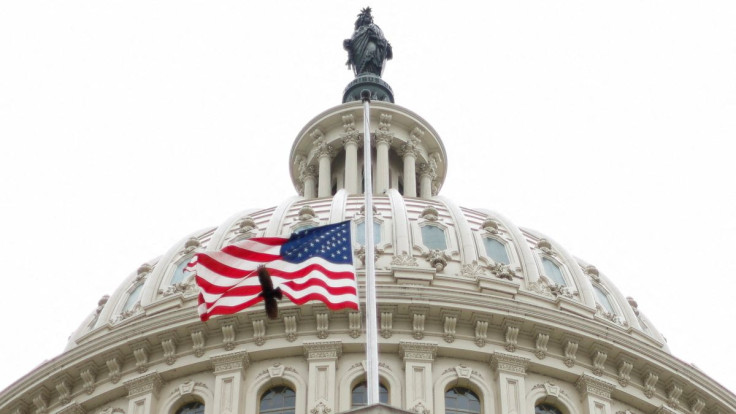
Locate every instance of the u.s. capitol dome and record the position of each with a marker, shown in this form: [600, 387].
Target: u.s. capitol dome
[476, 314]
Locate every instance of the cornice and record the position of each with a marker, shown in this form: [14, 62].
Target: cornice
[315, 351]
[589, 385]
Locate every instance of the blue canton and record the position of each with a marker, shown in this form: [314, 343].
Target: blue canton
[331, 242]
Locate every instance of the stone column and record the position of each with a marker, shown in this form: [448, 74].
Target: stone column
[384, 137]
[309, 178]
[510, 372]
[324, 154]
[426, 174]
[143, 393]
[322, 359]
[229, 370]
[596, 394]
[351, 163]
[418, 360]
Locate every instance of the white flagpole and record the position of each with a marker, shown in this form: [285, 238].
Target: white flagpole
[371, 314]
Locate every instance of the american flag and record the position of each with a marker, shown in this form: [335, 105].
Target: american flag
[312, 264]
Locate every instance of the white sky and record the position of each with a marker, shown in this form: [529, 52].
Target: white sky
[608, 126]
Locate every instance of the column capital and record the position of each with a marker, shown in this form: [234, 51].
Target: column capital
[324, 150]
[230, 362]
[428, 169]
[589, 385]
[423, 351]
[509, 363]
[149, 383]
[315, 351]
[352, 137]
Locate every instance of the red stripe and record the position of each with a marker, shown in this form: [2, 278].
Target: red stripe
[341, 290]
[326, 300]
[310, 268]
[271, 241]
[222, 269]
[245, 254]
[227, 310]
[219, 290]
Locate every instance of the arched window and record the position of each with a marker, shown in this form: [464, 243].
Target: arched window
[360, 395]
[602, 299]
[133, 298]
[496, 250]
[360, 233]
[434, 237]
[181, 273]
[191, 408]
[552, 271]
[546, 409]
[459, 400]
[278, 400]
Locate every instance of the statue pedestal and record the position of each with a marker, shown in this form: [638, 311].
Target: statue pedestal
[380, 90]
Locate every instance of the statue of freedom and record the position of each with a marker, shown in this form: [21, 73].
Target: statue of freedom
[368, 50]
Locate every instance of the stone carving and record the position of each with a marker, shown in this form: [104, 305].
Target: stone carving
[503, 271]
[323, 323]
[88, 373]
[418, 326]
[198, 340]
[100, 305]
[110, 410]
[420, 409]
[559, 290]
[404, 259]
[592, 271]
[541, 345]
[472, 270]
[322, 350]
[259, 331]
[135, 309]
[634, 305]
[230, 362]
[509, 363]
[140, 353]
[430, 214]
[481, 333]
[187, 288]
[321, 408]
[63, 387]
[149, 383]
[386, 324]
[591, 385]
[650, 382]
[227, 325]
[674, 390]
[697, 404]
[306, 213]
[73, 408]
[168, 343]
[41, 401]
[437, 259]
[424, 351]
[551, 389]
[368, 50]
[113, 363]
[599, 360]
[490, 226]
[545, 246]
[571, 348]
[510, 337]
[246, 225]
[360, 253]
[290, 327]
[427, 170]
[351, 133]
[449, 328]
[383, 134]
[277, 370]
[624, 372]
[354, 322]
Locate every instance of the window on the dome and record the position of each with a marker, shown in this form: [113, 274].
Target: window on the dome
[434, 237]
[191, 408]
[278, 400]
[546, 409]
[602, 299]
[181, 273]
[553, 272]
[360, 233]
[459, 400]
[496, 250]
[360, 395]
[133, 298]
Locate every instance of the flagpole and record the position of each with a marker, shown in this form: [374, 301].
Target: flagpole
[371, 317]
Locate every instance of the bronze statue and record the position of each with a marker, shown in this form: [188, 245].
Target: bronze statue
[368, 50]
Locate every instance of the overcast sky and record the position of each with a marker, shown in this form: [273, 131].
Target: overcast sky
[608, 126]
